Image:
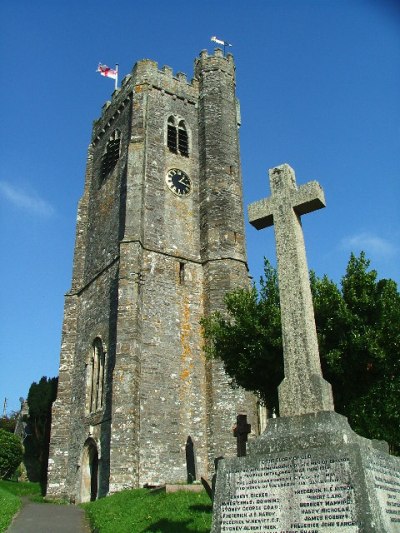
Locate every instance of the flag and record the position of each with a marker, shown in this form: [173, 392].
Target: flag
[220, 41]
[107, 71]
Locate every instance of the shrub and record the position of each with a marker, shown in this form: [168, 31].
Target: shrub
[11, 453]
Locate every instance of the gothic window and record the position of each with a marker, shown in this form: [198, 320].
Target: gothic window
[95, 376]
[111, 155]
[177, 137]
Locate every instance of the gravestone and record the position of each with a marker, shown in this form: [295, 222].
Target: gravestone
[190, 460]
[241, 431]
[308, 472]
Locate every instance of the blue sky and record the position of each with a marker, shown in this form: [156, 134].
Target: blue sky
[318, 82]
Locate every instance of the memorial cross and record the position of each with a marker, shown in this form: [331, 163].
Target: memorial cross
[303, 389]
[240, 431]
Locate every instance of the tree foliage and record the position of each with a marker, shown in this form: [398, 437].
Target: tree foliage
[9, 422]
[248, 337]
[359, 338]
[40, 399]
[358, 326]
[11, 453]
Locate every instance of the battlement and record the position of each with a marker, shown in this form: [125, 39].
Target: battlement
[146, 75]
[207, 63]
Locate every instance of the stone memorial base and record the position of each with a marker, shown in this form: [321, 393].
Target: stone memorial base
[310, 474]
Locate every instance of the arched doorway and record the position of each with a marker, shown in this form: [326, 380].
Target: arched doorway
[89, 472]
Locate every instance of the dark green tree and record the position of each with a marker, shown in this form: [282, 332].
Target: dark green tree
[358, 328]
[11, 453]
[40, 399]
[9, 422]
[359, 338]
[248, 338]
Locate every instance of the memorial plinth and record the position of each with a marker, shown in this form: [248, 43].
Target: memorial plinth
[308, 472]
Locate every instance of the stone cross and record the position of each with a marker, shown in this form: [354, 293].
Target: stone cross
[303, 389]
[240, 431]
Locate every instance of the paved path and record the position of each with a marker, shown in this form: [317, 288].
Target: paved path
[49, 518]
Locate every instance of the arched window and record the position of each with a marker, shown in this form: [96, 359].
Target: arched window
[177, 137]
[95, 377]
[111, 155]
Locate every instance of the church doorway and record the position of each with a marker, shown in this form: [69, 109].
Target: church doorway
[89, 472]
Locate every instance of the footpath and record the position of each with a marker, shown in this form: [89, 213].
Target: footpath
[49, 518]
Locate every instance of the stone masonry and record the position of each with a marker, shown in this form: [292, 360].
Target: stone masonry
[303, 389]
[149, 263]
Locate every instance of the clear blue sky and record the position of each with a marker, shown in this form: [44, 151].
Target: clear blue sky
[318, 82]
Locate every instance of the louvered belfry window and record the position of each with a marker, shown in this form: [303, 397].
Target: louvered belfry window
[172, 135]
[111, 155]
[177, 137]
[183, 142]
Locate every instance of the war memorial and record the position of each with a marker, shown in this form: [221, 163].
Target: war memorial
[308, 472]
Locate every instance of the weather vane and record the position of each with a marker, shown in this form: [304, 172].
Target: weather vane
[220, 41]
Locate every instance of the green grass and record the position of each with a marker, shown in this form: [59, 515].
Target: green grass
[9, 505]
[20, 488]
[10, 499]
[141, 511]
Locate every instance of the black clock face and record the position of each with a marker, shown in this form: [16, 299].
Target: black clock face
[178, 182]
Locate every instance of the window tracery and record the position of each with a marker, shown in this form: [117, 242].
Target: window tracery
[95, 377]
[177, 137]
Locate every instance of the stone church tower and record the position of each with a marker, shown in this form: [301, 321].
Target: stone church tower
[159, 241]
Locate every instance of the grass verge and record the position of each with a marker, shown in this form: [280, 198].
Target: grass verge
[9, 505]
[156, 512]
[10, 499]
[20, 488]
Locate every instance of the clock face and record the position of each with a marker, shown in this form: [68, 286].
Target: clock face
[178, 182]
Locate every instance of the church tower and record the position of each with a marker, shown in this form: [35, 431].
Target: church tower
[159, 241]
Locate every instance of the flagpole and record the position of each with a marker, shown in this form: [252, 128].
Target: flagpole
[116, 78]
[220, 41]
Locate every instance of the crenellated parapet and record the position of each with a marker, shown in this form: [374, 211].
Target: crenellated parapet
[218, 62]
[145, 75]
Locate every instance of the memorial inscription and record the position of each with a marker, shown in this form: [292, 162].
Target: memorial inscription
[386, 480]
[317, 494]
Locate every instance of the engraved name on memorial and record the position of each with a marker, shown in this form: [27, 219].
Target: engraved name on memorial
[298, 493]
[385, 477]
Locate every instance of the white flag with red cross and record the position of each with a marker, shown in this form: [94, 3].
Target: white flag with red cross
[107, 71]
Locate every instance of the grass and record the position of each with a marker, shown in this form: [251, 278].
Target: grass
[10, 499]
[142, 511]
[20, 488]
[9, 505]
